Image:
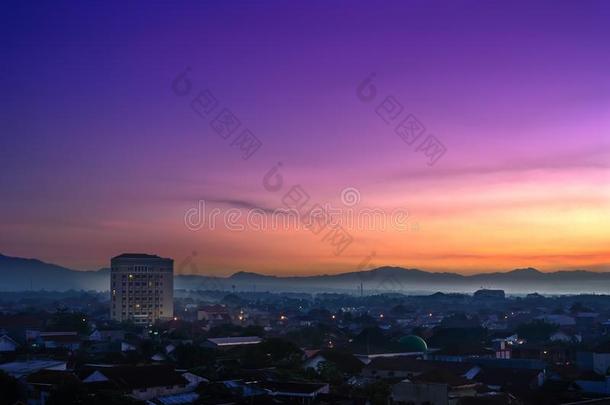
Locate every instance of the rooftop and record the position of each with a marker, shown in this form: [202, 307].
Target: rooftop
[20, 368]
[134, 377]
[409, 364]
[136, 256]
[240, 340]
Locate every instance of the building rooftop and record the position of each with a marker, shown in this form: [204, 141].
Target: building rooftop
[136, 256]
[230, 341]
[137, 377]
[296, 388]
[409, 364]
[52, 377]
[18, 369]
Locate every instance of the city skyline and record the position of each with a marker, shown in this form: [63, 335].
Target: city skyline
[104, 152]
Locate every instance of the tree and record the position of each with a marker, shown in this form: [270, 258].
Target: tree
[191, 356]
[329, 372]
[69, 321]
[536, 330]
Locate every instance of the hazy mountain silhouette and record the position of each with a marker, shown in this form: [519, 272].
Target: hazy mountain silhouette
[18, 274]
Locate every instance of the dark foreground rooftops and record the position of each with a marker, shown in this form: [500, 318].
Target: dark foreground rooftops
[295, 388]
[134, 377]
[409, 364]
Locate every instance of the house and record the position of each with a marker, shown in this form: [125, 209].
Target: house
[107, 335]
[230, 342]
[345, 362]
[128, 347]
[593, 383]
[176, 399]
[553, 352]
[408, 367]
[367, 358]
[60, 340]
[514, 380]
[596, 360]
[193, 379]
[19, 369]
[438, 386]
[561, 336]
[243, 389]
[7, 344]
[213, 313]
[140, 382]
[558, 319]
[461, 352]
[296, 392]
[586, 318]
[42, 382]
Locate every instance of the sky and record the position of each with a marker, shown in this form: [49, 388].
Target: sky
[107, 146]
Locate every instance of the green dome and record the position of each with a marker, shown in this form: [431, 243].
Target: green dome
[413, 343]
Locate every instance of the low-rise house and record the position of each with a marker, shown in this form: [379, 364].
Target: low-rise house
[176, 399]
[7, 344]
[295, 391]
[367, 358]
[214, 313]
[558, 319]
[60, 340]
[438, 387]
[596, 360]
[140, 382]
[565, 337]
[552, 352]
[128, 347]
[42, 382]
[345, 362]
[244, 389]
[193, 379]
[19, 369]
[408, 367]
[586, 318]
[514, 380]
[461, 353]
[107, 335]
[593, 383]
[230, 342]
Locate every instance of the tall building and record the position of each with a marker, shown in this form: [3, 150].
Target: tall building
[141, 288]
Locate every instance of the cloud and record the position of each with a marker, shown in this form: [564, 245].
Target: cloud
[241, 204]
[594, 159]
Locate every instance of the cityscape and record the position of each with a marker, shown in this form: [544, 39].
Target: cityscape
[316, 203]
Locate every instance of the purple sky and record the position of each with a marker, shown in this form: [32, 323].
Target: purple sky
[99, 156]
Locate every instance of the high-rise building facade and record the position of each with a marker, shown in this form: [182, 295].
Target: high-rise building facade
[141, 288]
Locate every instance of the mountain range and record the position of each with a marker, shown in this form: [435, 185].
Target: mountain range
[19, 274]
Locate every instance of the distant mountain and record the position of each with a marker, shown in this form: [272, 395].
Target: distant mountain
[397, 279]
[18, 274]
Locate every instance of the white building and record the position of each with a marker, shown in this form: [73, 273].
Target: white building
[142, 288]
